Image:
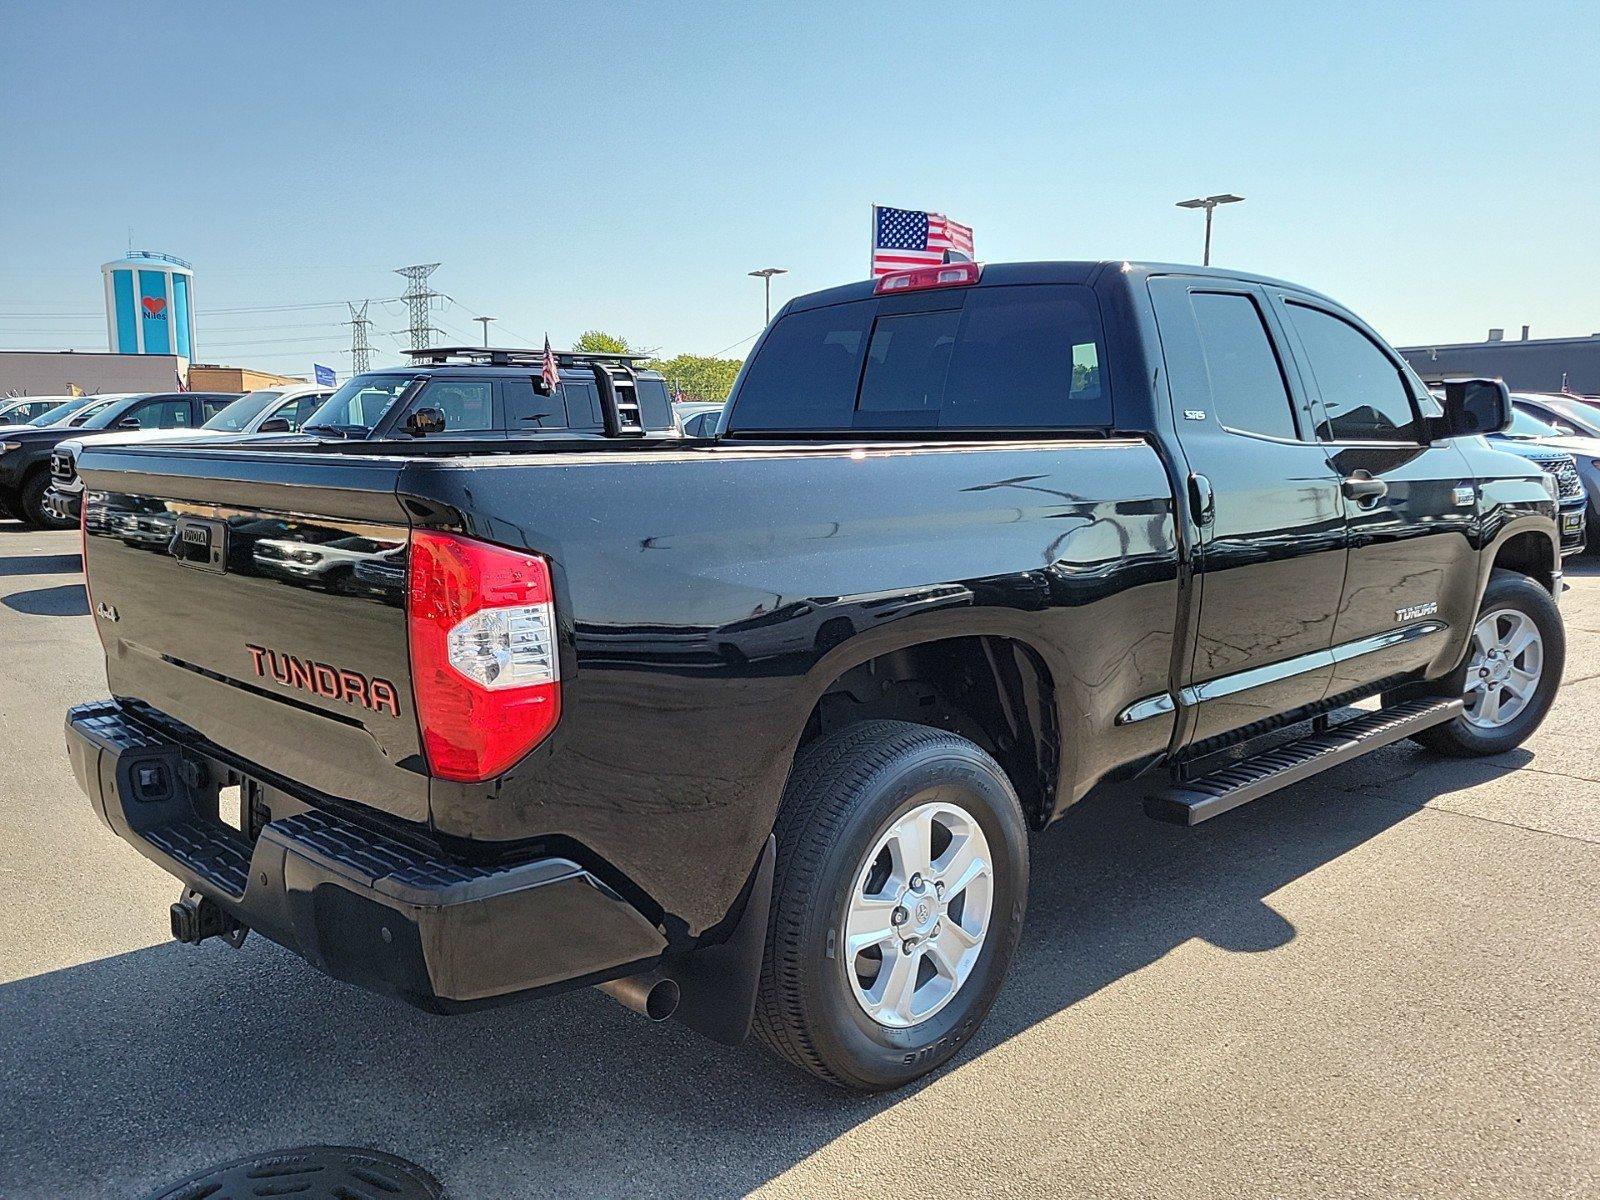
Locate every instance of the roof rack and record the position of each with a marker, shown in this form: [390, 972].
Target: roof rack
[615, 376]
[512, 356]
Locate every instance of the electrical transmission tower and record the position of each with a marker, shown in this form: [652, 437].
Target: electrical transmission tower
[360, 347]
[418, 297]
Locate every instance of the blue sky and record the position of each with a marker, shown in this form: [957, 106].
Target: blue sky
[1437, 167]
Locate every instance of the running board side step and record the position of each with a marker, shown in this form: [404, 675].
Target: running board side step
[1241, 782]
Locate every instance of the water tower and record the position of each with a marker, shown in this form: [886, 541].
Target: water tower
[150, 304]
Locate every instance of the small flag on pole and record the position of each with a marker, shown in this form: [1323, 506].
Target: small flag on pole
[551, 376]
[904, 238]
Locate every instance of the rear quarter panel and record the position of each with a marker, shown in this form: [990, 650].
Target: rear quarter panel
[707, 597]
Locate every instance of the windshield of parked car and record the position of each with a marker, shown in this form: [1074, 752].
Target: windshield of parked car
[51, 415]
[242, 411]
[92, 415]
[1582, 417]
[1525, 425]
[358, 406]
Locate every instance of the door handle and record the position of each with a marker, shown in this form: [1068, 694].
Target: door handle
[1202, 500]
[1363, 488]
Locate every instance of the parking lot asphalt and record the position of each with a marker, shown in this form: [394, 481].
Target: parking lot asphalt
[1382, 982]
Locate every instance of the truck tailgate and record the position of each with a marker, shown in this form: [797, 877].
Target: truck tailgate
[260, 599]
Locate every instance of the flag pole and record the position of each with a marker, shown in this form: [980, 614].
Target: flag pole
[872, 236]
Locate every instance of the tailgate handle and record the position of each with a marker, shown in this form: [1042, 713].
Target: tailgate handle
[201, 542]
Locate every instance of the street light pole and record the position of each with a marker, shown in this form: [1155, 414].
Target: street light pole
[766, 274]
[1209, 203]
[484, 321]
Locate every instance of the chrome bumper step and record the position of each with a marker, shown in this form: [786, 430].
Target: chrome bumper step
[1249, 779]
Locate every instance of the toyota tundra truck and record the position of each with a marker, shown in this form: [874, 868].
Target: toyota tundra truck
[754, 729]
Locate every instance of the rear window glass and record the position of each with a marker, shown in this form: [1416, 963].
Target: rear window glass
[908, 362]
[806, 373]
[1019, 357]
[1028, 358]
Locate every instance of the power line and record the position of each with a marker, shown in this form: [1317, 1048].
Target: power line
[737, 344]
[419, 298]
[221, 312]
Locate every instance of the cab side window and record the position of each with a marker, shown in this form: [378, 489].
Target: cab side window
[1247, 385]
[210, 406]
[162, 414]
[467, 404]
[528, 408]
[1364, 394]
[297, 412]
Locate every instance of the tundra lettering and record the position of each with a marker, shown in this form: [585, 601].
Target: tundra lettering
[336, 683]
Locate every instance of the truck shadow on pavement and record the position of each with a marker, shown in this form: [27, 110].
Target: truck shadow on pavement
[64, 600]
[134, 1070]
[39, 564]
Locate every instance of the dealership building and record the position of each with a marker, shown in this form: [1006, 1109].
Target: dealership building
[1526, 364]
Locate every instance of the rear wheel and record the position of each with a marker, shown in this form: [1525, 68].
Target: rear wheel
[1513, 669]
[901, 883]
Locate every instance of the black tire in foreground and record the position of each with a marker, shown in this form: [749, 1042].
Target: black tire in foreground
[1517, 633]
[851, 795]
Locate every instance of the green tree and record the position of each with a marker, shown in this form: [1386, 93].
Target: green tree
[597, 341]
[697, 377]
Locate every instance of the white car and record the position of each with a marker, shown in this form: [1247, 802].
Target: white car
[19, 410]
[270, 410]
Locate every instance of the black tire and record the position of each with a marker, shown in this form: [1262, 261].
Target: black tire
[1507, 590]
[31, 500]
[845, 792]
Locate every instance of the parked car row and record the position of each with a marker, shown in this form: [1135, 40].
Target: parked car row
[453, 395]
[271, 410]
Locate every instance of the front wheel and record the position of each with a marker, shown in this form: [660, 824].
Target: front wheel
[902, 878]
[1519, 648]
[31, 502]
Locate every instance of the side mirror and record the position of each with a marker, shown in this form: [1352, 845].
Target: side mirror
[1473, 406]
[425, 421]
[129, 423]
[275, 425]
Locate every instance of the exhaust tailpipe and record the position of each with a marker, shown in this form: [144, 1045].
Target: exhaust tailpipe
[651, 995]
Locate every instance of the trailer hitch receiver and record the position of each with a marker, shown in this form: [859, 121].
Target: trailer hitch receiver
[196, 917]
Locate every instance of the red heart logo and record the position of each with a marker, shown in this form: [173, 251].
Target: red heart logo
[154, 305]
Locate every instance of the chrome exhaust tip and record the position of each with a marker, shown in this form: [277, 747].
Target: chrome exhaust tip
[650, 995]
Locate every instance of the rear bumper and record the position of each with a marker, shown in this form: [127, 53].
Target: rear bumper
[363, 906]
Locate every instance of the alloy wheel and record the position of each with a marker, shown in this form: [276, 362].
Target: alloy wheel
[1503, 676]
[918, 914]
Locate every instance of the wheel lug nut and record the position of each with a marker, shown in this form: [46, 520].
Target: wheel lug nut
[916, 882]
[899, 916]
[910, 943]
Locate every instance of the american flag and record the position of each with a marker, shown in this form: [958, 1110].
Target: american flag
[550, 376]
[903, 238]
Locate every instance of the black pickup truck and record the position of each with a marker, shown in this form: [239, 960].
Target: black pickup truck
[754, 728]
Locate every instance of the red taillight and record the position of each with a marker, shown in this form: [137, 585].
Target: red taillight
[923, 278]
[484, 665]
